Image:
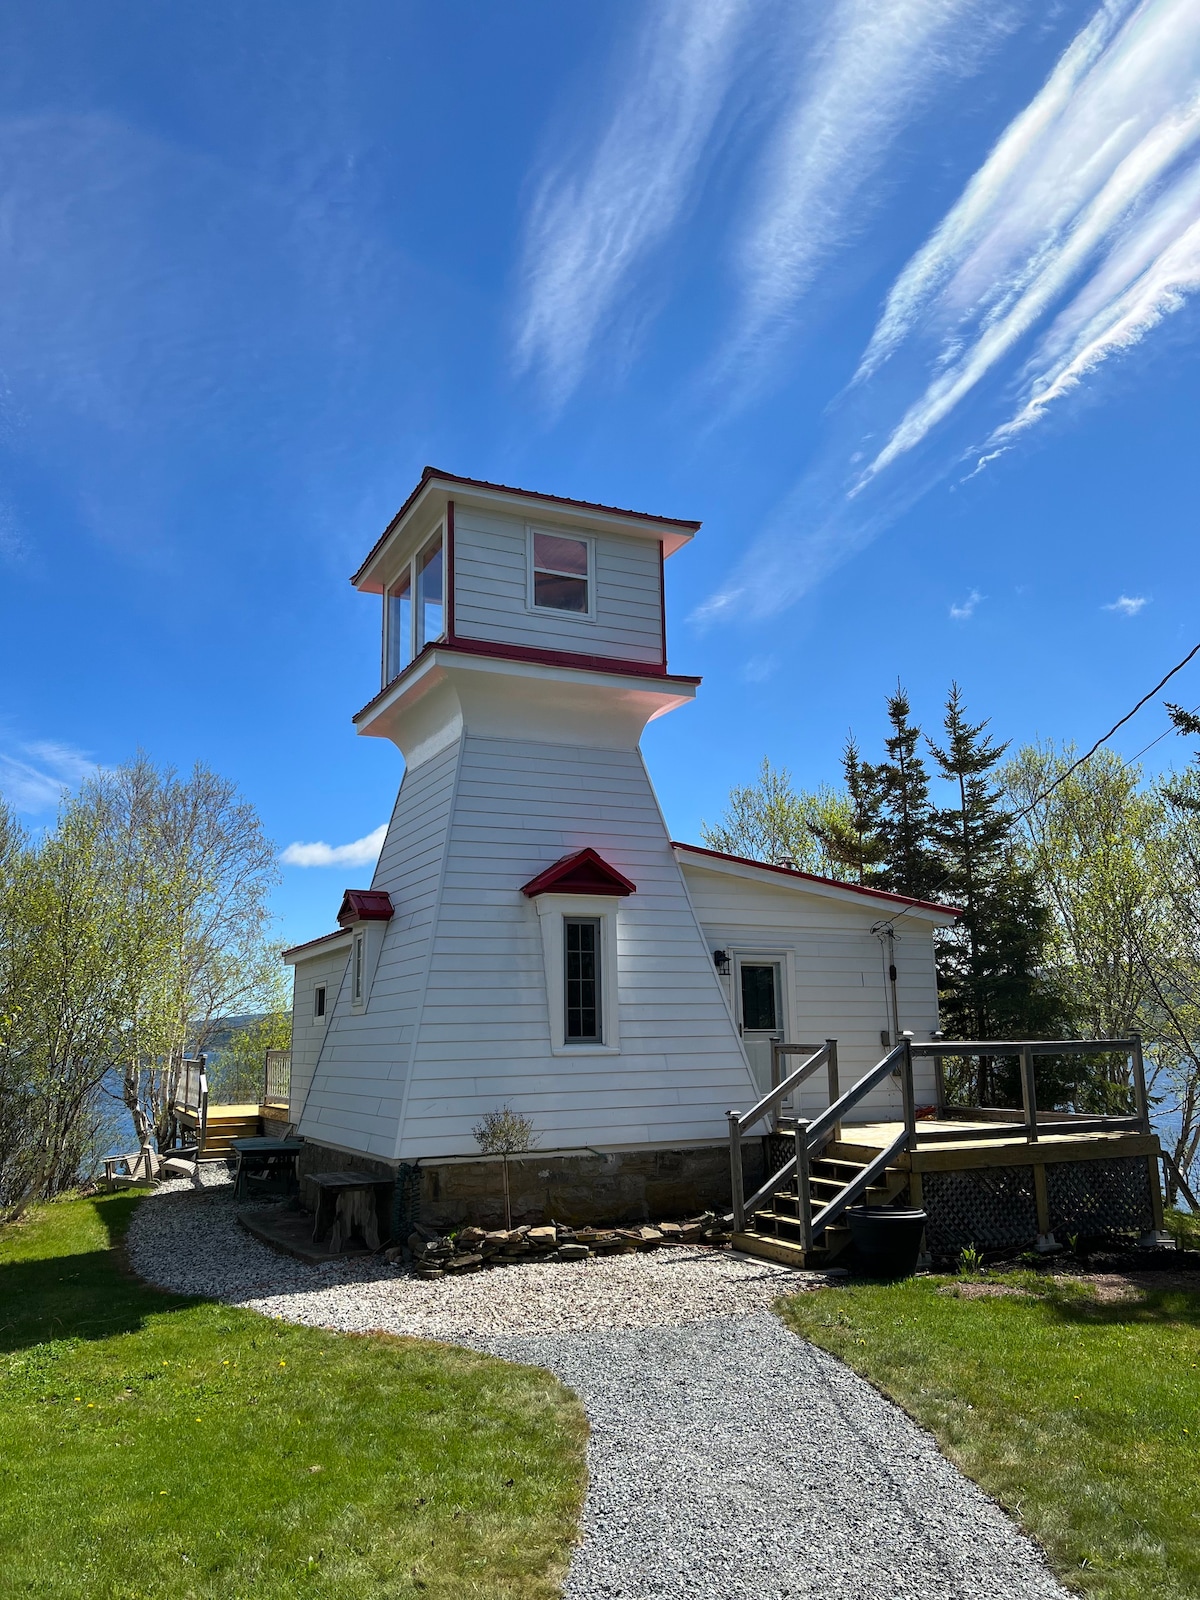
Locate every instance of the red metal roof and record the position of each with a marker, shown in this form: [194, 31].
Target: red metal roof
[311, 944]
[365, 905]
[584, 872]
[430, 473]
[811, 877]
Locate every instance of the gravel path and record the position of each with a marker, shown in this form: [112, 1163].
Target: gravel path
[728, 1460]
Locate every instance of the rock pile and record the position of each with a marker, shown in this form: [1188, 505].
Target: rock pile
[434, 1254]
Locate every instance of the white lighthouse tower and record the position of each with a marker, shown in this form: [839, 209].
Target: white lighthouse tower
[528, 939]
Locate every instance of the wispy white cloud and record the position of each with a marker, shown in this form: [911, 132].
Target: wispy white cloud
[964, 610]
[34, 777]
[1127, 604]
[871, 73]
[362, 852]
[1087, 209]
[592, 223]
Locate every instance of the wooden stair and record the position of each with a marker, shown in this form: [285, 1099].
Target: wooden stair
[226, 1123]
[775, 1234]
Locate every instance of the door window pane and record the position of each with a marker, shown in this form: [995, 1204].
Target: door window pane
[758, 997]
[560, 573]
[430, 607]
[399, 627]
[581, 939]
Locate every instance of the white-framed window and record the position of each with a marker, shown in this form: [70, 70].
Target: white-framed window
[583, 997]
[562, 573]
[318, 1002]
[579, 946]
[358, 966]
[414, 610]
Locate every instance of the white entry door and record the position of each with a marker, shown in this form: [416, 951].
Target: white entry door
[760, 1011]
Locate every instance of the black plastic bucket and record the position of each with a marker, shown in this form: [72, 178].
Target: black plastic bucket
[888, 1240]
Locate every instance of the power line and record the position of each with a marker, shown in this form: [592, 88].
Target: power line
[1075, 765]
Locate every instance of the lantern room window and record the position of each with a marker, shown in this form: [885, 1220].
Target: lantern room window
[560, 573]
[415, 608]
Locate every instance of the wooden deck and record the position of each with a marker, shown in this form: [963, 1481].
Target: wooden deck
[955, 1146]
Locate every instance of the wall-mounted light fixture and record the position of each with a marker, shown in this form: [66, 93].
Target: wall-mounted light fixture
[721, 962]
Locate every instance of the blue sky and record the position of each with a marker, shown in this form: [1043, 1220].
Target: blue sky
[897, 295]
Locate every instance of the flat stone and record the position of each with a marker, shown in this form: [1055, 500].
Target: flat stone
[543, 1238]
[463, 1263]
[573, 1252]
[430, 1272]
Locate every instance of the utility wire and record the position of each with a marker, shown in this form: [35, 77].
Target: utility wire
[1105, 737]
[1075, 765]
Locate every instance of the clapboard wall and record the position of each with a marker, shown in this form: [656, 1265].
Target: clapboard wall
[491, 591]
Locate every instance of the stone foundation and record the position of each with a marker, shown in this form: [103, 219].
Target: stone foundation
[570, 1187]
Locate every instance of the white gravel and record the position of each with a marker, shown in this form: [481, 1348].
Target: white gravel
[728, 1459]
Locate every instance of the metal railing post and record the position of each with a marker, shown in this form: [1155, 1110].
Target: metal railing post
[1029, 1094]
[1141, 1098]
[906, 1090]
[831, 1061]
[803, 1191]
[735, 1172]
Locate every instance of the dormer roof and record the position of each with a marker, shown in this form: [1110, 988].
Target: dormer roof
[428, 500]
[365, 905]
[584, 872]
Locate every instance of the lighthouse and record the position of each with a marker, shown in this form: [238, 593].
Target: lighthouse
[532, 938]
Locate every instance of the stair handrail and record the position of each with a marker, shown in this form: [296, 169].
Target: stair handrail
[740, 1121]
[812, 1137]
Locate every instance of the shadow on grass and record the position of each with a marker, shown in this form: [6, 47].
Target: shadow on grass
[1154, 1307]
[79, 1294]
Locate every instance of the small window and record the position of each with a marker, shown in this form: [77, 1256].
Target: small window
[561, 577]
[431, 610]
[319, 1001]
[399, 626]
[581, 948]
[356, 972]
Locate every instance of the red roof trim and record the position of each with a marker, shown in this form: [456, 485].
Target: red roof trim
[430, 473]
[310, 944]
[584, 872]
[365, 905]
[811, 877]
[541, 658]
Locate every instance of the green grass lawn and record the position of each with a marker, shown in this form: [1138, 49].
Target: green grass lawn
[1082, 1418]
[154, 1446]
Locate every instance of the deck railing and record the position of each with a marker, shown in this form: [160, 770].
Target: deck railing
[277, 1079]
[188, 1100]
[812, 1137]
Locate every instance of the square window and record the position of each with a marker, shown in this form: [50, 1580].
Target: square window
[581, 951]
[561, 573]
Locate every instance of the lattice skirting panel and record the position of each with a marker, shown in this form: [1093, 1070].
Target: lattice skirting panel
[1099, 1197]
[778, 1150]
[991, 1208]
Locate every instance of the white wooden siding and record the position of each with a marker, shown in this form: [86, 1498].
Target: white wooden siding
[358, 1087]
[484, 1032]
[491, 591]
[839, 989]
[308, 1035]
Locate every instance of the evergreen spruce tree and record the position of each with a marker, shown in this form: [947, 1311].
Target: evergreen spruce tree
[906, 817]
[852, 839]
[991, 978]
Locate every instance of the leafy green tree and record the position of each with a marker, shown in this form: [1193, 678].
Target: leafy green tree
[771, 821]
